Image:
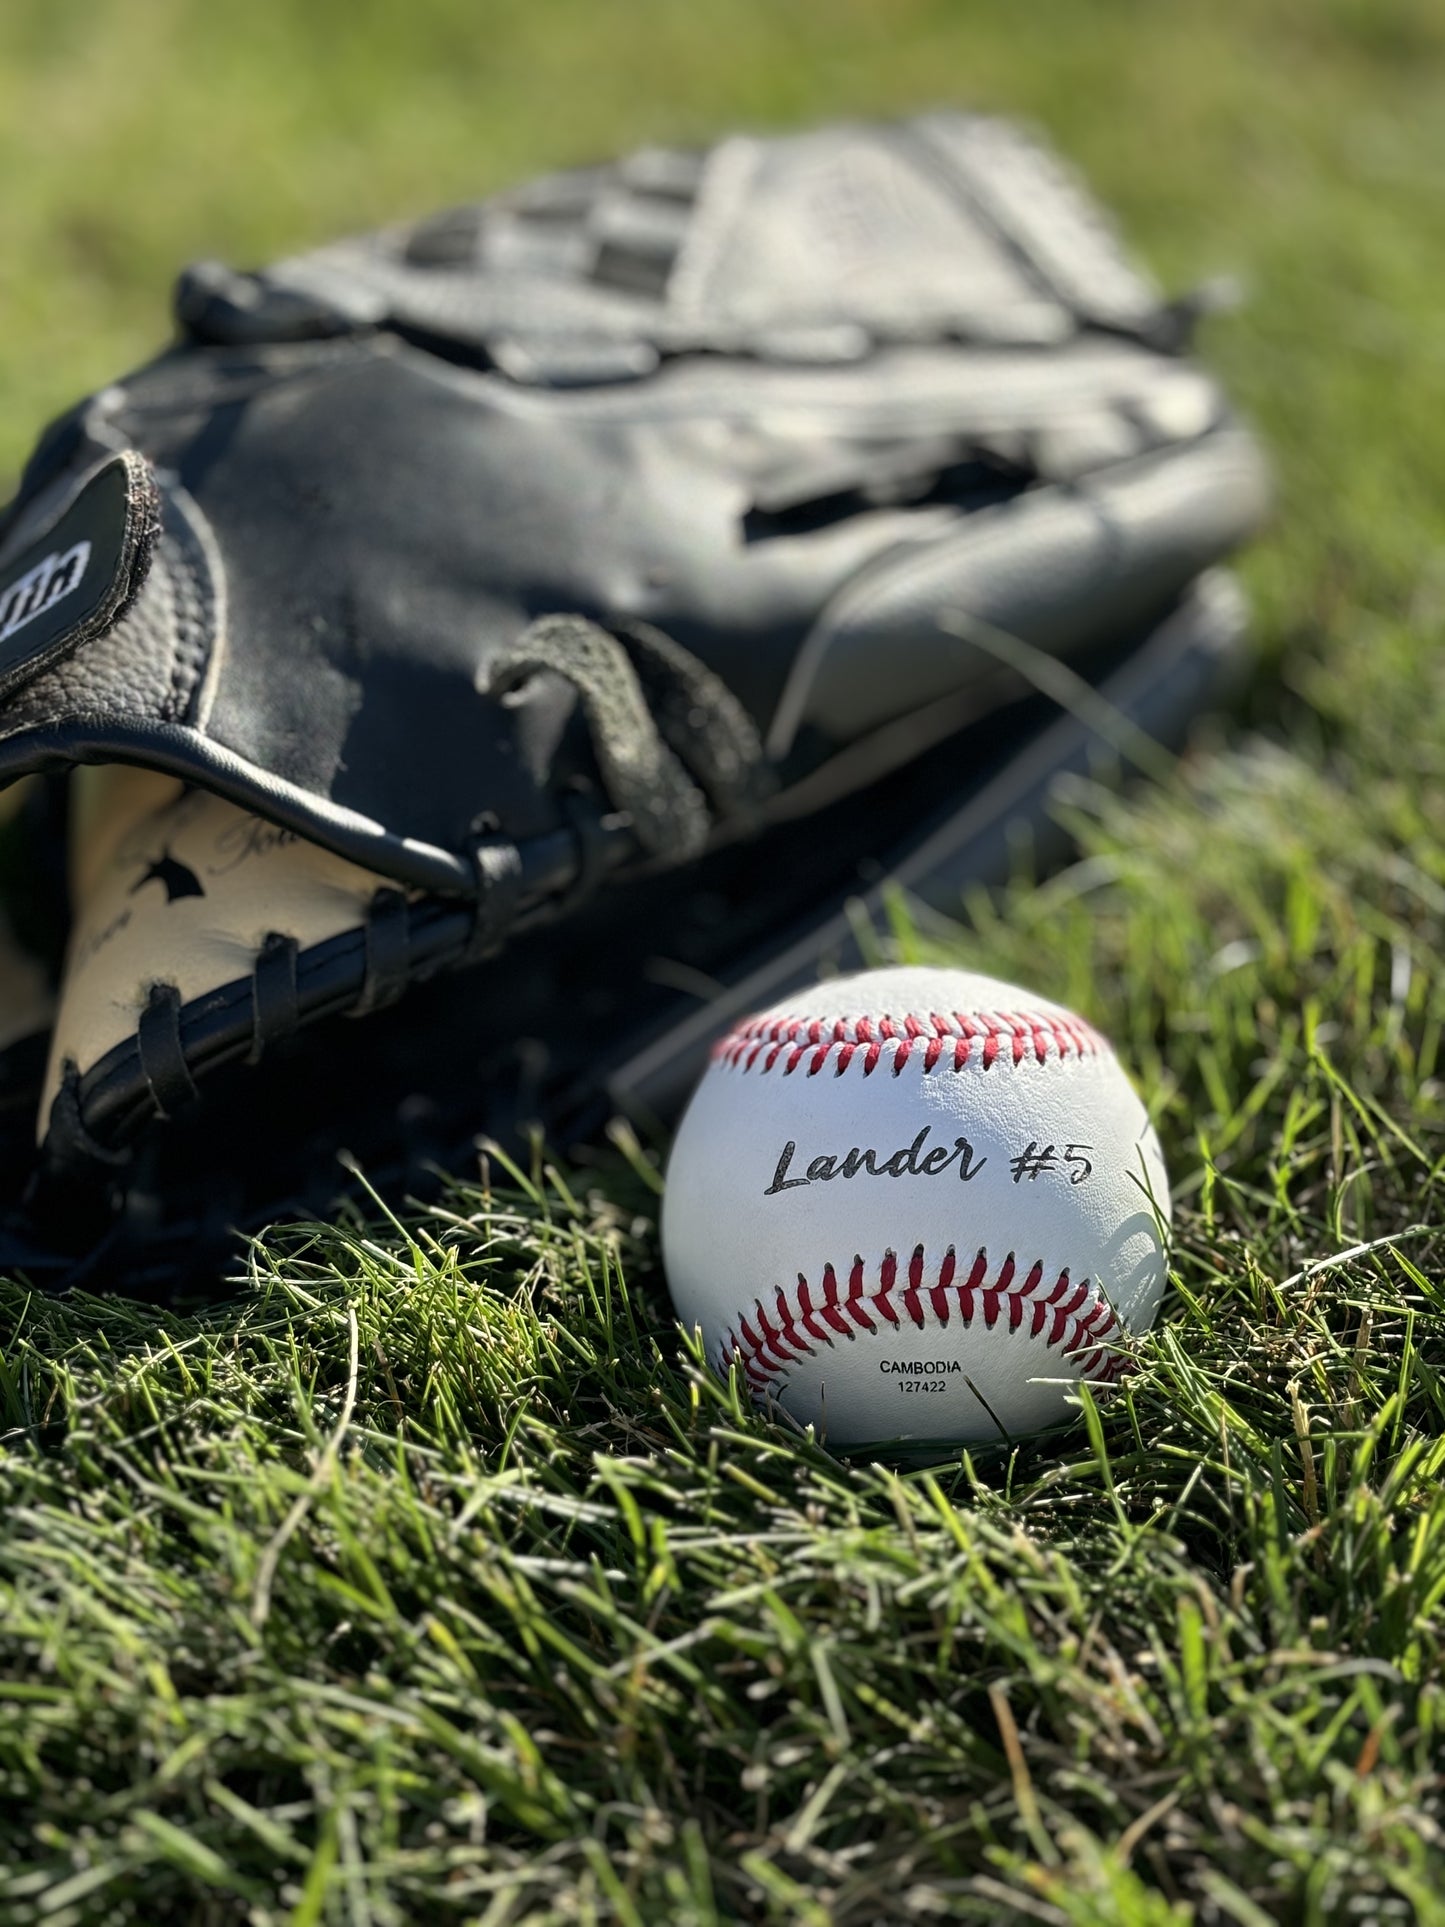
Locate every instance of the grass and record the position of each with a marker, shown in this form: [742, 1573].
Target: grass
[430, 1579]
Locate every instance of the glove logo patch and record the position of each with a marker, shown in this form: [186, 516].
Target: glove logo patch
[77, 580]
[50, 581]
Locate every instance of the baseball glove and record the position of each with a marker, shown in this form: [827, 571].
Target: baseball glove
[602, 570]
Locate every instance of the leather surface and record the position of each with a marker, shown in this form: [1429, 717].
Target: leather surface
[791, 401]
[178, 887]
[77, 582]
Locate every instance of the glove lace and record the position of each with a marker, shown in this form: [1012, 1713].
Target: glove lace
[675, 749]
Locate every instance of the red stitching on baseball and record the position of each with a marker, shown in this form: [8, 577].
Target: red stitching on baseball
[986, 1038]
[1072, 1315]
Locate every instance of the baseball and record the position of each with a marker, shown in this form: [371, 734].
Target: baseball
[916, 1205]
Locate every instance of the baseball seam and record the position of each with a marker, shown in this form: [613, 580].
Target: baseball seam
[982, 1038]
[1073, 1318]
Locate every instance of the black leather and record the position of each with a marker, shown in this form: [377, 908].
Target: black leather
[790, 402]
[77, 580]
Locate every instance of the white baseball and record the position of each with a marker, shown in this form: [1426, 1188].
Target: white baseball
[916, 1205]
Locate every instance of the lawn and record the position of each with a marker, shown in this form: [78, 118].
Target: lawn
[429, 1579]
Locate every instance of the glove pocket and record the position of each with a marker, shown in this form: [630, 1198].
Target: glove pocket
[190, 919]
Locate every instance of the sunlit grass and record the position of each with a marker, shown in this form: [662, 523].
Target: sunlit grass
[431, 1578]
